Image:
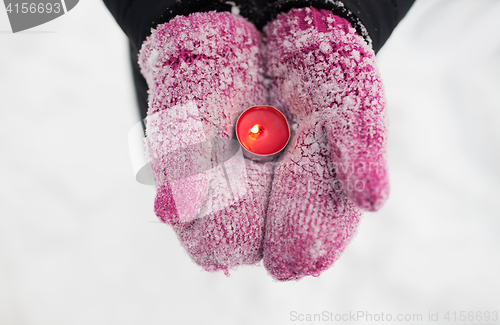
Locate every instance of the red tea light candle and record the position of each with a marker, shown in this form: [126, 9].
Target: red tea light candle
[263, 132]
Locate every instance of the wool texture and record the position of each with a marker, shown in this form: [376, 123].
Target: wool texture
[324, 78]
[202, 71]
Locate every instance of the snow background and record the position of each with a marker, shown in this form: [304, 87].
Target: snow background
[80, 244]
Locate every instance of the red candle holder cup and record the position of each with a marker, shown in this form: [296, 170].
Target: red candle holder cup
[263, 133]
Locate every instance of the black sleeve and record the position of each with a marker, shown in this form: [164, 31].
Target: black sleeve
[373, 19]
[140, 84]
[136, 17]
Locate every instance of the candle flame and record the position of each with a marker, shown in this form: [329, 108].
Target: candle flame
[255, 129]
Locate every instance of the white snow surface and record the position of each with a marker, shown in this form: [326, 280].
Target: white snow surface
[79, 241]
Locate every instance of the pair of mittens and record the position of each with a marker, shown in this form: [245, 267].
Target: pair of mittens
[299, 213]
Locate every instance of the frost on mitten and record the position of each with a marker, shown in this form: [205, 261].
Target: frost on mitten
[203, 71]
[324, 78]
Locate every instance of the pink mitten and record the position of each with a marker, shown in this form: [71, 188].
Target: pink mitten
[325, 79]
[203, 71]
